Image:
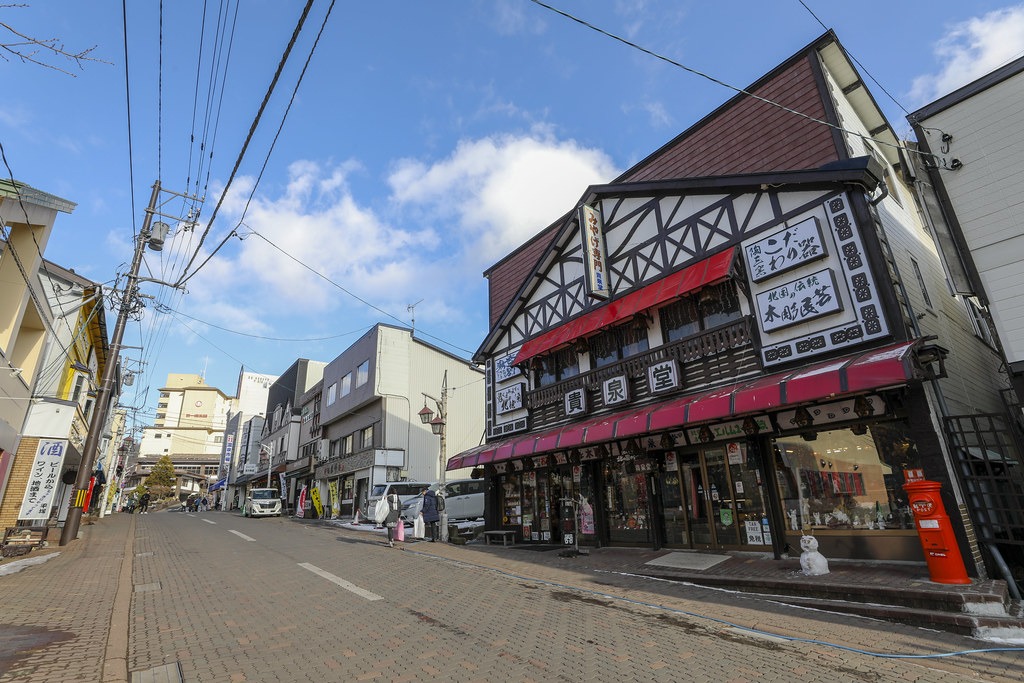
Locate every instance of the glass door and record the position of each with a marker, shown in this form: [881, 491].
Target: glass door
[673, 509]
[695, 501]
[720, 497]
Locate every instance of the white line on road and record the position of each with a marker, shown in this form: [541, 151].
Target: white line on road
[241, 535]
[340, 581]
[209, 521]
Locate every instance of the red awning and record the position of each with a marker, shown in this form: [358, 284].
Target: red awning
[882, 368]
[706, 272]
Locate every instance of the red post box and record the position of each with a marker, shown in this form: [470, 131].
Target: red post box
[937, 539]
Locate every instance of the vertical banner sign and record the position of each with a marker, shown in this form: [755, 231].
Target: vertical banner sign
[314, 494]
[594, 258]
[284, 485]
[43, 480]
[300, 508]
[229, 450]
[332, 488]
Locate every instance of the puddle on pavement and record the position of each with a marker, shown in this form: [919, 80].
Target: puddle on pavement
[21, 642]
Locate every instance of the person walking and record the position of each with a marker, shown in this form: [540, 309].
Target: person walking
[204, 504]
[430, 513]
[144, 504]
[394, 517]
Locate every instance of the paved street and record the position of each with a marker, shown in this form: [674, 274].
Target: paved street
[218, 597]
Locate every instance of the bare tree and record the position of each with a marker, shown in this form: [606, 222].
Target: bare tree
[40, 51]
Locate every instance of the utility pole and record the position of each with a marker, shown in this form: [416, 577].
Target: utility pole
[149, 234]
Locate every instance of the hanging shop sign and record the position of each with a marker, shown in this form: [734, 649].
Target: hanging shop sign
[504, 370]
[576, 402]
[663, 376]
[728, 430]
[615, 390]
[43, 479]
[509, 398]
[799, 301]
[594, 257]
[786, 249]
[837, 411]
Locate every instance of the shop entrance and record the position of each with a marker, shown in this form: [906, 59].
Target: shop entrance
[720, 503]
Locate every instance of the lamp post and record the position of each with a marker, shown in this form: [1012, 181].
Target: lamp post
[437, 426]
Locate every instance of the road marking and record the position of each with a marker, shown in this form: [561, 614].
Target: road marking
[209, 521]
[241, 535]
[340, 581]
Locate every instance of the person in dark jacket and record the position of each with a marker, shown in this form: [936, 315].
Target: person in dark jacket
[430, 513]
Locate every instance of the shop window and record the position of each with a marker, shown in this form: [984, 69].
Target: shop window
[555, 367]
[711, 307]
[846, 481]
[618, 343]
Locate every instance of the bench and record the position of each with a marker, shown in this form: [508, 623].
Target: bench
[19, 540]
[506, 536]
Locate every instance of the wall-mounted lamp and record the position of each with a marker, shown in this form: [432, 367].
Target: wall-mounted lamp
[80, 367]
[862, 407]
[822, 463]
[802, 417]
[750, 427]
[856, 467]
[705, 435]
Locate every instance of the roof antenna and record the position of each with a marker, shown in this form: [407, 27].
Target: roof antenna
[412, 309]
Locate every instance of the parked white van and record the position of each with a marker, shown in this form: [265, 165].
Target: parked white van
[464, 499]
[261, 503]
[406, 491]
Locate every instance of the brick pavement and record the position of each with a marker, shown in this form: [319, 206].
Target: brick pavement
[66, 607]
[217, 607]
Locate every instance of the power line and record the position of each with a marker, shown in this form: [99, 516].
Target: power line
[273, 144]
[128, 104]
[708, 77]
[258, 336]
[857, 62]
[252, 131]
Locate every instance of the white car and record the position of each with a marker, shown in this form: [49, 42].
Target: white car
[262, 503]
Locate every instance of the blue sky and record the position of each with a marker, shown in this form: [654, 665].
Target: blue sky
[426, 141]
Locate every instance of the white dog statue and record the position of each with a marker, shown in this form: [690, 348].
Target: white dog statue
[812, 562]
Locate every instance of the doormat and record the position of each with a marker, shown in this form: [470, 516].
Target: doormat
[698, 561]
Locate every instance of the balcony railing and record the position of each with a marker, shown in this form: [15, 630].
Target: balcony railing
[734, 341]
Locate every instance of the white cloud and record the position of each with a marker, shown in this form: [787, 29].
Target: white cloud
[972, 49]
[442, 225]
[495, 193]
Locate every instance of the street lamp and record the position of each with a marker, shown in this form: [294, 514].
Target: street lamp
[437, 426]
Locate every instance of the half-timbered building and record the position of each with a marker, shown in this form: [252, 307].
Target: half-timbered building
[744, 338]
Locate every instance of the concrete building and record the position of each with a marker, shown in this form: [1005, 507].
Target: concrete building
[250, 400]
[279, 439]
[189, 428]
[371, 398]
